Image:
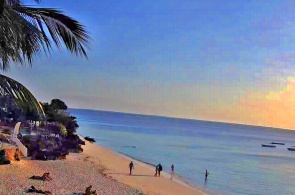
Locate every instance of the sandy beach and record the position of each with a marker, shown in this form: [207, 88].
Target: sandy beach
[142, 177]
[105, 170]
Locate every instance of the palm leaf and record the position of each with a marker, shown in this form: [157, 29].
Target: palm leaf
[21, 96]
[23, 32]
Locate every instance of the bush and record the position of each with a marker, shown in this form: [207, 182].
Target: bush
[4, 161]
[2, 153]
[41, 145]
[26, 139]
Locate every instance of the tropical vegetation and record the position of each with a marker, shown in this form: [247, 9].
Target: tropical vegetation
[23, 32]
[56, 112]
[26, 32]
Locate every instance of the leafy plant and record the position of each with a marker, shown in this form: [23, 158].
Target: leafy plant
[41, 144]
[63, 129]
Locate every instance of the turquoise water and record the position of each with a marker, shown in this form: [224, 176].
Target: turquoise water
[25, 132]
[232, 153]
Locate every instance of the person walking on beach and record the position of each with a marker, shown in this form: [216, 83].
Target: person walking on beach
[172, 171]
[160, 168]
[206, 174]
[131, 166]
[157, 168]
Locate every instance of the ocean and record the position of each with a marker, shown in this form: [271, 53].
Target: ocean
[232, 153]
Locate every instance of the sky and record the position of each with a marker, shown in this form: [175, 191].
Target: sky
[230, 61]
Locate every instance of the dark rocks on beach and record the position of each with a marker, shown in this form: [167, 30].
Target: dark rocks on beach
[89, 139]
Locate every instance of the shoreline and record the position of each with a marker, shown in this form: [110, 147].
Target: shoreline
[142, 179]
[106, 170]
[176, 178]
[151, 166]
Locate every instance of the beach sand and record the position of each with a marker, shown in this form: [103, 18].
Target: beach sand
[105, 170]
[142, 177]
[70, 176]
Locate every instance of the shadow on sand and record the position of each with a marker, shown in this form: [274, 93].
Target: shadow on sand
[40, 178]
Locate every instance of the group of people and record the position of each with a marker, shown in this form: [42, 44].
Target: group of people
[159, 168]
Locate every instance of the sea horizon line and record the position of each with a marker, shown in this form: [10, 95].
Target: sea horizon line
[189, 119]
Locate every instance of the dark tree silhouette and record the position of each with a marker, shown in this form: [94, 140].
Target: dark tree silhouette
[23, 32]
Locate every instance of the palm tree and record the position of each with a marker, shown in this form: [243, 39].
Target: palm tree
[29, 31]
[21, 97]
[23, 32]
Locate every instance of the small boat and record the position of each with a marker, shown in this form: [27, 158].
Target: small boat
[277, 143]
[89, 139]
[292, 149]
[267, 145]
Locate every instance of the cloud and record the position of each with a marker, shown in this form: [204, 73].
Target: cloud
[271, 99]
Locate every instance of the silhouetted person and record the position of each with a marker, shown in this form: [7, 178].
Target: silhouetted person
[157, 168]
[172, 171]
[206, 174]
[160, 168]
[131, 166]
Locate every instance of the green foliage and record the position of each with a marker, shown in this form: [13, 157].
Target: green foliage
[17, 99]
[41, 144]
[53, 115]
[26, 31]
[63, 129]
[57, 104]
[4, 161]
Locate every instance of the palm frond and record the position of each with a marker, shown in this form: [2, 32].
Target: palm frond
[26, 32]
[19, 39]
[19, 2]
[20, 95]
[61, 27]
